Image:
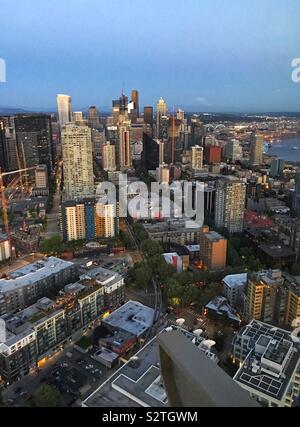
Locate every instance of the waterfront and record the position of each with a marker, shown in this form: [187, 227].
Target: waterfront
[285, 149]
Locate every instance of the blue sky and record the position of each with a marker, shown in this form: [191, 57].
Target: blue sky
[216, 55]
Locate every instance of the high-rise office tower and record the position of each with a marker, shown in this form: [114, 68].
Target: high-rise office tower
[153, 153]
[230, 204]
[124, 147]
[77, 152]
[11, 147]
[64, 109]
[277, 167]
[109, 157]
[233, 150]
[77, 117]
[197, 131]
[197, 157]
[163, 128]
[296, 203]
[256, 150]
[161, 111]
[123, 103]
[115, 112]
[3, 157]
[295, 239]
[148, 115]
[34, 141]
[93, 118]
[135, 100]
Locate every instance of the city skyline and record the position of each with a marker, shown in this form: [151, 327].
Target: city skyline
[213, 64]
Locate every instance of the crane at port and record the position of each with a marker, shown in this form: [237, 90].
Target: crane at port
[3, 190]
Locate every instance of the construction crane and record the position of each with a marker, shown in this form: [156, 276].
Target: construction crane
[3, 196]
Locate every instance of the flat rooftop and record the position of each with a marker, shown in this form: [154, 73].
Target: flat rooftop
[268, 346]
[132, 317]
[277, 251]
[33, 273]
[104, 276]
[138, 383]
[234, 280]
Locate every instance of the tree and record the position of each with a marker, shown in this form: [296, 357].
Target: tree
[52, 245]
[140, 232]
[142, 275]
[46, 396]
[173, 292]
[151, 248]
[209, 293]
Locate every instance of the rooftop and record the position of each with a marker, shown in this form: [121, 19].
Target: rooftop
[277, 251]
[102, 275]
[274, 355]
[222, 307]
[138, 383]
[33, 273]
[234, 280]
[132, 317]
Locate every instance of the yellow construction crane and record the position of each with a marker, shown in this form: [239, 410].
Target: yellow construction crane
[3, 196]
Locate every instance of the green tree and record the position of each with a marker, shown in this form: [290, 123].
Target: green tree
[209, 293]
[173, 292]
[151, 248]
[52, 246]
[46, 396]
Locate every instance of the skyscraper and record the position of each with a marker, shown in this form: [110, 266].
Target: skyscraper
[34, 141]
[297, 195]
[197, 131]
[148, 115]
[256, 150]
[161, 110]
[64, 109]
[93, 118]
[3, 157]
[135, 100]
[230, 204]
[78, 161]
[77, 116]
[124, 147]
[108, 157]
[277, 167]
[153, 153]
[233, 150]
[197, 157]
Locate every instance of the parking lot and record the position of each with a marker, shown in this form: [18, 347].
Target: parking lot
[75, 375]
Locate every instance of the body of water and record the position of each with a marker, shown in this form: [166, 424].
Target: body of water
[285, 149]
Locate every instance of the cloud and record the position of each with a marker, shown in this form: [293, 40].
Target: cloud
[202, 100]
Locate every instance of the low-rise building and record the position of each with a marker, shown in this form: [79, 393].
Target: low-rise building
[270, 364]
[234, 287]
[220, 308]
[35, 333]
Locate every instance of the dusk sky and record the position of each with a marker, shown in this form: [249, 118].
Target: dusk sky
[212, 55]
